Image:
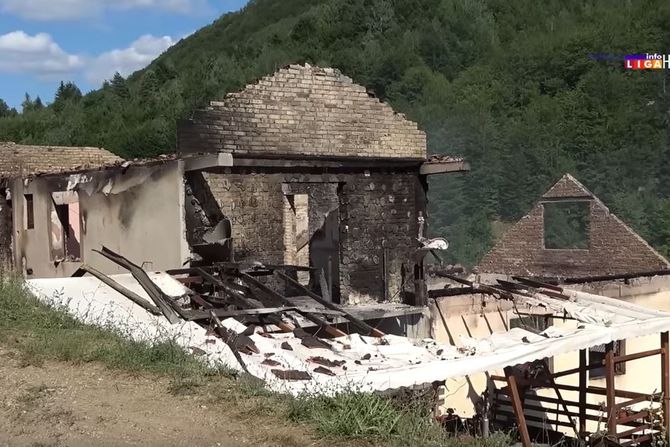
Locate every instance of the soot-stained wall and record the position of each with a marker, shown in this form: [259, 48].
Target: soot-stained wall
[138, 212]
[303, 110]
[376, 212]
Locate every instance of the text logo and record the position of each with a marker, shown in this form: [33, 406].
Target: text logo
[647, 61]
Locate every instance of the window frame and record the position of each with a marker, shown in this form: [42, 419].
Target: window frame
[29, 211]
[619, 368]
[586, 204]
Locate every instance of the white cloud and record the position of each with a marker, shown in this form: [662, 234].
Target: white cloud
[38, 55]
[75, 9]
[41, 56]
[127, 60]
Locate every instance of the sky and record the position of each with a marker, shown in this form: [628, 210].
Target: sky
[44, 42]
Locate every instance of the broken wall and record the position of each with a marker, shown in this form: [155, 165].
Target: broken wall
[612, 247]
[376, 222]
[303, 111]
[138, 211]
[311, 229]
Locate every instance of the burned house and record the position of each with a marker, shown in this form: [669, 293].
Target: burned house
[567, 247]
[302, 168]
[133, 206]
[570, 233]
[324, 174]
[304, 177]
[21, 161]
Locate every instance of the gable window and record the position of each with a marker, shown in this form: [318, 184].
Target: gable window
[566, 225]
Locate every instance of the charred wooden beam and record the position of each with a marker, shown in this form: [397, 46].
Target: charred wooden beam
[358, 323]
[135, 298]
[159, 298]
[245, 302]
[624, 276]
[277, 296]
[537, 284]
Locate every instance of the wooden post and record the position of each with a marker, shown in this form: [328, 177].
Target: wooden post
[582, 392]
[517, 405]
[610, 392]
[665, 380]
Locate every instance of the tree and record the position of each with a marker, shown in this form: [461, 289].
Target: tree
[66, 93]
[5, 110]
[31, 105]
[506, 84]
[119, 86]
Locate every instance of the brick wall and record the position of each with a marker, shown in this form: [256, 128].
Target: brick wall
[379, 213]
[303, 110]
[613, 247]
[254, 204]
[376, 210]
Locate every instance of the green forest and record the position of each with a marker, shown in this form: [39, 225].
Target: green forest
[512, 85]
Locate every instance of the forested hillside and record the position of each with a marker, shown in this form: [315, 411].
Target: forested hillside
[509, 84]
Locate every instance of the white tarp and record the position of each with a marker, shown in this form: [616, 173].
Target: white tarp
[367, 363]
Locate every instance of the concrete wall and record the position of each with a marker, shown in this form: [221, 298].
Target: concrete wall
[480, 316]
[377, 211]
[138, 212]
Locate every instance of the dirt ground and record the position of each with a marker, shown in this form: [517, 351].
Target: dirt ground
[59, 404]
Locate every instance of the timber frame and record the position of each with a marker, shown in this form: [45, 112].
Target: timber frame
[623, 424]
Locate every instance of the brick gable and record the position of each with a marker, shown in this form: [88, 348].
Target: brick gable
[304, 111]
[614, 248]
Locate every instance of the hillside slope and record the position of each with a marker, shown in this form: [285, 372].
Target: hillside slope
[507, 83]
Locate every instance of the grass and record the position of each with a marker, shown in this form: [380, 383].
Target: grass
[39, 333]
[389, 419]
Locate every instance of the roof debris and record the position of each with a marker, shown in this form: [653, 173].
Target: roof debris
[279, 351]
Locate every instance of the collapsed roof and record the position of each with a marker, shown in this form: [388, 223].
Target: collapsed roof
[295, 361]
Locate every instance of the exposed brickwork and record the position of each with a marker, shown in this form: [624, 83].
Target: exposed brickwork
[354, 215]
[378, 211]
[18, 160]
[303, 110]
[613, 247]
[566, 187]
[254, 204]
[375, 210]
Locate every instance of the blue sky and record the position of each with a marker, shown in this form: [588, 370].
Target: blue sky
[86, 41]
